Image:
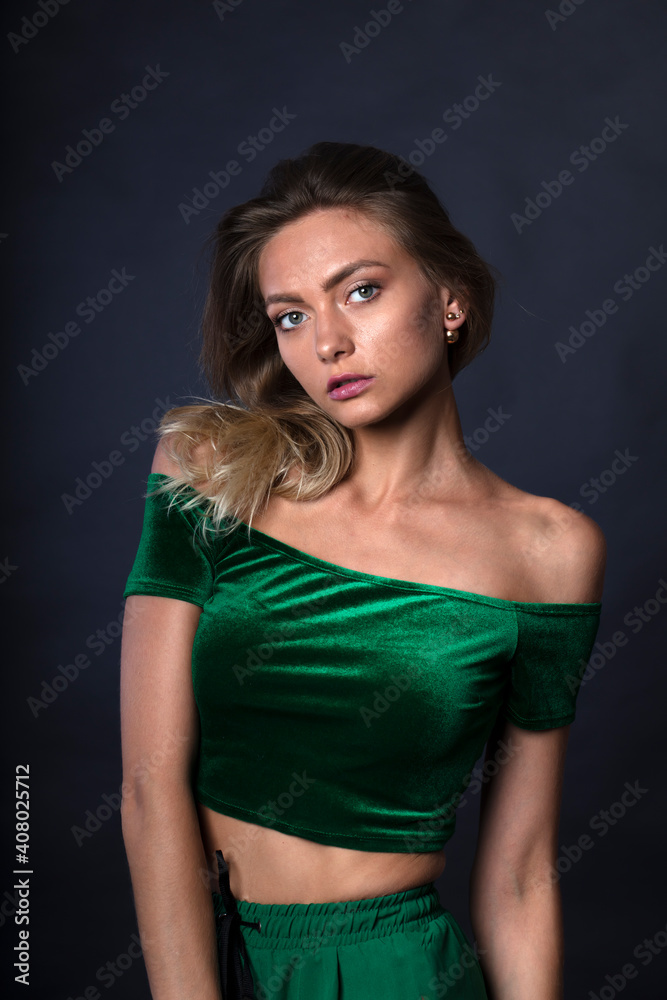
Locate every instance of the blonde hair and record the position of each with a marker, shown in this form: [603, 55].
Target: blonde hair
[271, 438]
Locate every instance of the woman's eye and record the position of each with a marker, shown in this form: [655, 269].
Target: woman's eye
[364, 288]
[290, 316]
[293, 315]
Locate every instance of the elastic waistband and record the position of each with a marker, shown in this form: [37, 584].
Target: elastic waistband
[300, 925]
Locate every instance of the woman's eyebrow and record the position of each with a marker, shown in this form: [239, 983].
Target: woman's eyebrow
[331, 282]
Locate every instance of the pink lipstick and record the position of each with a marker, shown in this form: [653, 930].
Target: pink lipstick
[348, 384]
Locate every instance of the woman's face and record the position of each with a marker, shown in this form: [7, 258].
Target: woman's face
[347, 300]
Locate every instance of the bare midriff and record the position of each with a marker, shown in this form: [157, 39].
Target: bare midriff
[269, 866]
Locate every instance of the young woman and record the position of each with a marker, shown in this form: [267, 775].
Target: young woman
[333, 610]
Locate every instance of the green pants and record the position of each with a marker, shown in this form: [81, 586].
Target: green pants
[403, 946]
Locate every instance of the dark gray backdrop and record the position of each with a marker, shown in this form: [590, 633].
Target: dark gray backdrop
[579, 88]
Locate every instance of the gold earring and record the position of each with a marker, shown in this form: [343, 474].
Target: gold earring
[453, 335]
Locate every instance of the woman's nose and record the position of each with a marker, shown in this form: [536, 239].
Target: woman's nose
[332, 335]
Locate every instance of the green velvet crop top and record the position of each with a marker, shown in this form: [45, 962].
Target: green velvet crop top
[344, 707]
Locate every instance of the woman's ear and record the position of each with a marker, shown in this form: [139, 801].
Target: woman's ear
[453, 302]
[454, 311]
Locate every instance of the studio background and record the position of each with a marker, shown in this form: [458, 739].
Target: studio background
[575, 365]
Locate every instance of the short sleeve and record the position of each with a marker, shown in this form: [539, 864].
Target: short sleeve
[172, 560]
[553, 646]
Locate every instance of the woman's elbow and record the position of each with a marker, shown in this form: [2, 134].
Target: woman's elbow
[513, 882]
[153, 800]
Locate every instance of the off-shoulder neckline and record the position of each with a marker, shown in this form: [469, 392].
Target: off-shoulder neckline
[588, 607]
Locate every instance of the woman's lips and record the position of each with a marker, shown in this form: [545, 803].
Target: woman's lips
[350, 388]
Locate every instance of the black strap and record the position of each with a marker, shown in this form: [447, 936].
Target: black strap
[237, 982]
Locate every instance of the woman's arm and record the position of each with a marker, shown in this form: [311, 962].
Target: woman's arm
[160, 739]
[160, 732]
[515, 893]
[515, 903]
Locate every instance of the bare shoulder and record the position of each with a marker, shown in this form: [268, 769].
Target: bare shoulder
[565, 549]
[167, 466]
[163, 463]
